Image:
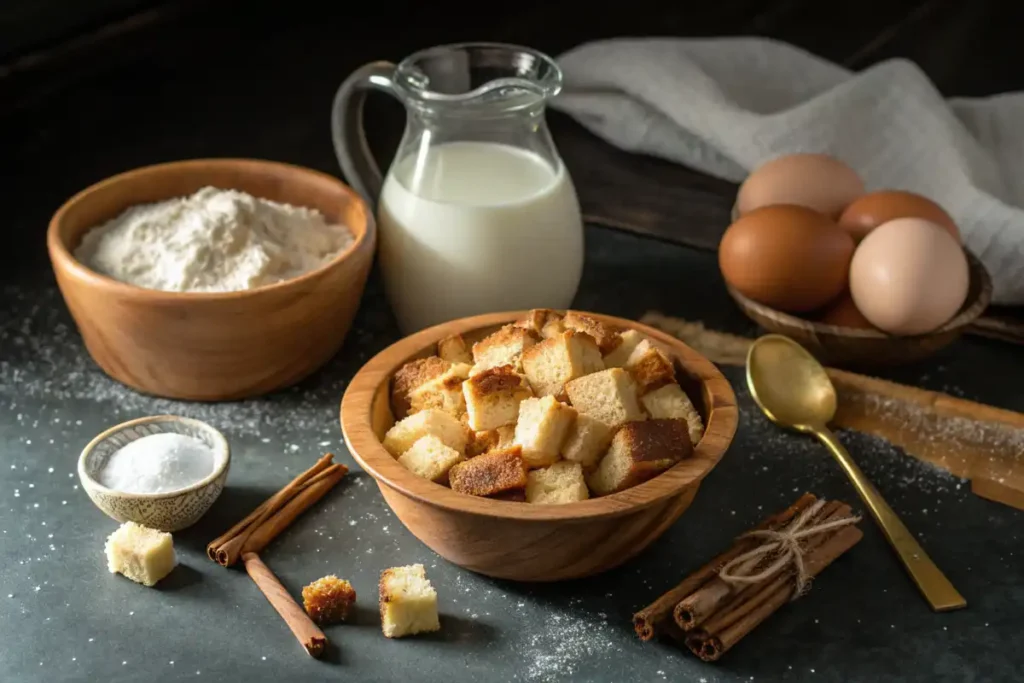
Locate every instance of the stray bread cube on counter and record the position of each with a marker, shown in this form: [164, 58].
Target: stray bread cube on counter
[553, 362]
[605, 336]
[489, 474]
[411, 375]
[408, 603]
[671, 402]
[543, 425]
[639, 451]
[493, 397]
[608, 396]
[618, 357]
[444, 392]
[560, 483]
[430, 458]
[405, 433]
[328, 600]
[650, 367]
[139, 553]
[504, 347]
[454, 350]
[587, 441]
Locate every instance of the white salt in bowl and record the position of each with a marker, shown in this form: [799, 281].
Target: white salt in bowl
[171, 511]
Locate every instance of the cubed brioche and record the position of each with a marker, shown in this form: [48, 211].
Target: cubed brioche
[553, 362]
[489, 474]
[605, 336]
[587, 441]
[608, 396]
[454, 350]
[408, 603]
[541, 429]
[639, 451]
[618, 357]
[442, 393]
[561, 482]
[493, 397]
[411, 375]
[650, 367]
[430, 458]
[543, 322]
[671, 402]
[504, 347]
[405, 433]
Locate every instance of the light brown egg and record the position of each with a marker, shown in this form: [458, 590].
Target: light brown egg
[816, 181]
[868, 212]
[788, 257]
[844, 313]
[909, 276]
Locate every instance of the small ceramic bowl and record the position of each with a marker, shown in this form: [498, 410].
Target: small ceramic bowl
[215, 346]
[171, 511]
[520, 541]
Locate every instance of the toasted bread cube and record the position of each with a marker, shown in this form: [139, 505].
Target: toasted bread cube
[328, 600]
[639, 451]
[139, 553]
[587, 441]
[493, 397]
[430, 458]
[553, 362]
[490, 440]
[408, 603]
[671, 402]
[605, 336]
[405, 433]
[541, 429]
[504, 347]
[411, 375]
[618, 357]
[443, 392]
[562, 482]
[650, 367]
[454, 350]
[543, 322]
[490, 474]
[608, 396]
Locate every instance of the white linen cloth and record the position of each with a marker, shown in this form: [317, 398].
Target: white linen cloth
[726, 105]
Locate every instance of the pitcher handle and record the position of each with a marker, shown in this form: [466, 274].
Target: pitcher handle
[350, 145]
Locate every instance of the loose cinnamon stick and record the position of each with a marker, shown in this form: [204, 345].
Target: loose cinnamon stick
[307, 633]
[314, 490]
[657, 616]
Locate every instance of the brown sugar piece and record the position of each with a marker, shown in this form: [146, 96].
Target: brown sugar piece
[489, 474]
[328, 600]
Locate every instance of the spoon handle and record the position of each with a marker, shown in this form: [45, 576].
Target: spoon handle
[930, 580]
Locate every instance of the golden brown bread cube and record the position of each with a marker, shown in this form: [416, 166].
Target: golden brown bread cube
[489, 474]
[493, 397]
[605, 336]
[640, 451]
[608, 396]
[543, 322]
[650, 367]
[411, 375]
[492, 439]
[328, 600]
[430, 458]
[541, 429]
[408, 603]
[444, 392]
[670, 401]
[560, 483]
[454, 349]
[404, 433]
[553, 362]
[504, 347]
[587, 441]
[629, 339]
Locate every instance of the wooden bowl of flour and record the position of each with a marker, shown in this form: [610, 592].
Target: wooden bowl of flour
[213, 346]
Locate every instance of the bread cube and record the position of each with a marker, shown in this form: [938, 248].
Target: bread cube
[408, 603]
[139, 553]
[562, 482]
[430, 458]
[553, 362]
[541, 429]
[492, 439]
[443, 392]
[454, 350]
[504, 347]
[489, 474]
[493, 397]
[328, 600]
[608, 396]
[543, 322]
[650, 367]
[405, 433]
[605, 336]
[411, 375]
[639, 451]
[587, 441]
[629, 341]
[671, 402]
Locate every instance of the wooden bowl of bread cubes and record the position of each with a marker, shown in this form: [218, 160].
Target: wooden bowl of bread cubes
[538, 445]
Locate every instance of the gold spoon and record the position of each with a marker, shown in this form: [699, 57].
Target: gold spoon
[794, 391]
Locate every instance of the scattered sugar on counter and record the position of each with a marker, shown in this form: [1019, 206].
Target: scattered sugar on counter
[158, 463]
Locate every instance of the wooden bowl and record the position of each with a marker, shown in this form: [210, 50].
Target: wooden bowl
[213, 346]
[521, 541]
[171, 511]
[855, 347]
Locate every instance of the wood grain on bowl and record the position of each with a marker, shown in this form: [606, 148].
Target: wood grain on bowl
[213, 346]
[521, 541]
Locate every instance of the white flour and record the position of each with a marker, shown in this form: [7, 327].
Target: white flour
[212, 241]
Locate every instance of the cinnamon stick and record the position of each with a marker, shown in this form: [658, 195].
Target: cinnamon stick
[657, 617]
[314, 490]
[308, 634]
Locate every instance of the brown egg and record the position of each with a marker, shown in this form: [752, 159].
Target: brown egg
[871, 210]
[816, 181]
[787, 257]
[844, 313]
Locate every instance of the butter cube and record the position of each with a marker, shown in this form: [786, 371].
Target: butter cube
[408, 603]
[141, 554]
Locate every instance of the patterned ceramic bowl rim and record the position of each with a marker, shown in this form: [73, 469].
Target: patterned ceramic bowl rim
[221, 453]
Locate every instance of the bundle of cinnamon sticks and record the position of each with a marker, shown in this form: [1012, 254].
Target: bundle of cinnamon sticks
[711, 610]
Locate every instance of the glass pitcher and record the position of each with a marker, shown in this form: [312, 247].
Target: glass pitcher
[477, 213]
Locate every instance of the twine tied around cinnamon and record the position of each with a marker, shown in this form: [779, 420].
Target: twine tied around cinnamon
[781, 549]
